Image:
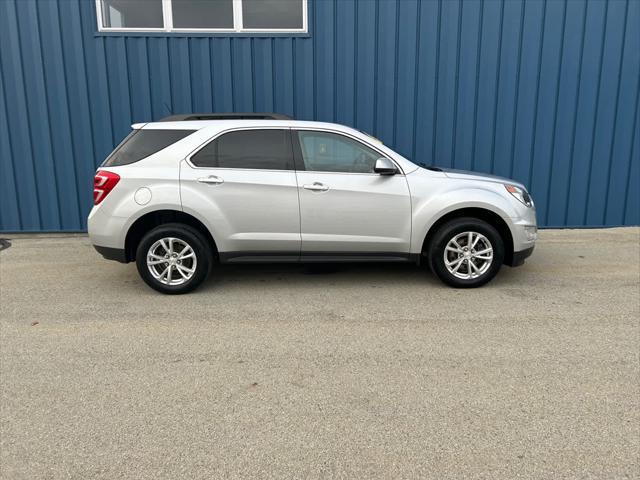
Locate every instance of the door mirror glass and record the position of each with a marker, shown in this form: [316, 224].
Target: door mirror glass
[384, 166]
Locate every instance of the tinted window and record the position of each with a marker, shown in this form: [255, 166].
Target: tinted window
[142, 143]
[272, 14]
[202, 13]
[261, 149]
[330, 152]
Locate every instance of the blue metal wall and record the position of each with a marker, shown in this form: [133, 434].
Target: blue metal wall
[542, 91]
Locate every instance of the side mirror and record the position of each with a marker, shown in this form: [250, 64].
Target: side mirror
[384, 166]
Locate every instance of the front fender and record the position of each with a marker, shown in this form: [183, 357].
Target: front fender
[429, 209]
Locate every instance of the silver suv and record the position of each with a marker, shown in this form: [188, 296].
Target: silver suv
[179, 195]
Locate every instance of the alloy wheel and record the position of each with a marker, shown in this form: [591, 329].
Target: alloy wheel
[468, 255]
[171, 261]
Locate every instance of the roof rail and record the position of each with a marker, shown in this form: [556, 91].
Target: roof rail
[226, 116]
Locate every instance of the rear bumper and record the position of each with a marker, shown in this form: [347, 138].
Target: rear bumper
[519, 257]
[105, 228]
[117, 254]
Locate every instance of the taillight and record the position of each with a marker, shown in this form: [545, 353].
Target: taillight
[103, 183]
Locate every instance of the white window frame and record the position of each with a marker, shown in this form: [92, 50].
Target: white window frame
[167, 15]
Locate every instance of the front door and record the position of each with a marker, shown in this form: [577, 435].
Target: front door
[244, 183]
[346, 208]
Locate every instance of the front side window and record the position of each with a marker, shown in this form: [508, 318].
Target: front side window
[143, 143]
[255, 149]
[330, 152]
[202, 15]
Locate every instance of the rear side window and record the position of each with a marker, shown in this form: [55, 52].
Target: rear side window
[256, 149]
[142, 143]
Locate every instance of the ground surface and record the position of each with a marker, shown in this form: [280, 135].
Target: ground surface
[373, 371]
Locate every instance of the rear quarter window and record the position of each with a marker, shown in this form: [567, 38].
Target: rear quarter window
[140, 144]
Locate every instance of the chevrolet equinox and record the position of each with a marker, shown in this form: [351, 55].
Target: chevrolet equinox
[179, 195]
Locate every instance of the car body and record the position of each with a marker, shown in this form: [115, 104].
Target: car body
[282, 190]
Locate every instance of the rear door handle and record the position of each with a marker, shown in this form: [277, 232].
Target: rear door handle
[211, 180]
[316, 187]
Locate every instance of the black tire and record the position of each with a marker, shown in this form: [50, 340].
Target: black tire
[201, 248]
[446, 233]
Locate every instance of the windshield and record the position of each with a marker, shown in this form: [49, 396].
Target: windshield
[140, 144]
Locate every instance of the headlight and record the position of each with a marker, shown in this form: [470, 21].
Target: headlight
[520, 193]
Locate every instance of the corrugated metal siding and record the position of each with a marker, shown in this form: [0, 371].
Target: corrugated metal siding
[542, 91]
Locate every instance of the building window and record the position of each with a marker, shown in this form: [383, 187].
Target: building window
[202, 15]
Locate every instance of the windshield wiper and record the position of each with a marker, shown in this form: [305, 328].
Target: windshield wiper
[428, 167]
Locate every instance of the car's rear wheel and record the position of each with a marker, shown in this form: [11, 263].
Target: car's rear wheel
[174, 258]
[466, 253]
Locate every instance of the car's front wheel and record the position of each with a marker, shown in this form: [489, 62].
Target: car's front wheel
[466, 252]
[173, 258]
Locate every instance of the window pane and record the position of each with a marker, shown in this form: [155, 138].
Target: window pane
[261, 149]
[329, 152]
[142, 143]
[132, 14]
[272, 14]
[202, 13]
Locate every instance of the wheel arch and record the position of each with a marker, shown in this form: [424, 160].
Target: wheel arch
[155, 218]
[487, 215]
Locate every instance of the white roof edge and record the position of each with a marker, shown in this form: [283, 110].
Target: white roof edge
[233, 123]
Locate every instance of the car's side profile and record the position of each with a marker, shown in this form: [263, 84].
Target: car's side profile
[179, 195]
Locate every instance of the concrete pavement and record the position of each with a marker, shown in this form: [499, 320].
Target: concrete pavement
[365, 371]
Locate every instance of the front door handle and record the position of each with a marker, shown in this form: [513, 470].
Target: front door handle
[211, 180]
[316, 187]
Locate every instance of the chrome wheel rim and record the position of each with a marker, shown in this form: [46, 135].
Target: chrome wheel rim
[468, 255]
[171, 261]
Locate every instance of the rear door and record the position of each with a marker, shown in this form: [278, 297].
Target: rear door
[244, 182]
[346, 208]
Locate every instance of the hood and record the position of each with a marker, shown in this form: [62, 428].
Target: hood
[469, 175]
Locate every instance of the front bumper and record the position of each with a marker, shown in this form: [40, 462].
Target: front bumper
[524, 232]
[518, 258]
